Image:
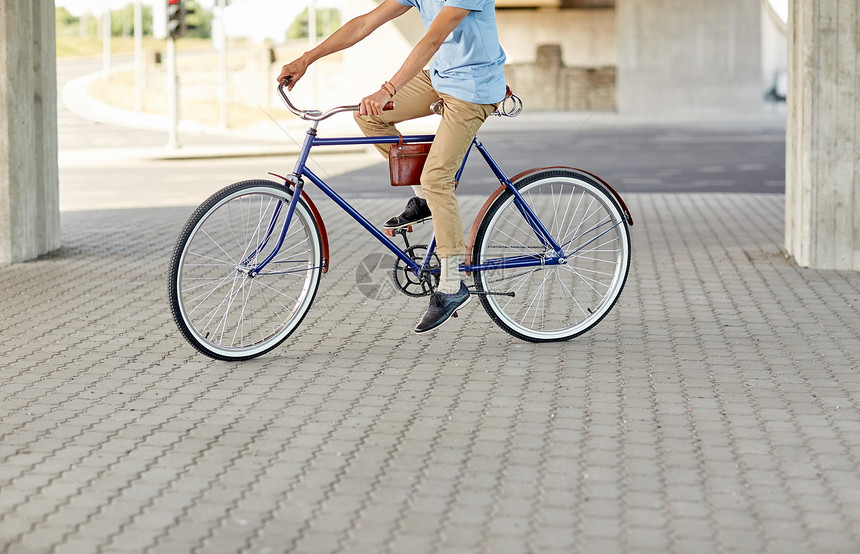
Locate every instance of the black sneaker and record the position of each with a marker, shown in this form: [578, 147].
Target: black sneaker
[416, 211]
[442, 306]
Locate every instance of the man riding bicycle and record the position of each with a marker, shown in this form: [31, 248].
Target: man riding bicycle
[467, 74]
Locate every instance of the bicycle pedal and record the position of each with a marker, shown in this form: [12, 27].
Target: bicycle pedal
[400, 231]
[455, 314]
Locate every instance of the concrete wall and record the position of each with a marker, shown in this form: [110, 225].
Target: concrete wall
[588, 4]
[583, 78]
[689, 55]
[549, 84]
[823, 149]
[568, 65]
[29, 192]
[375, 59]
[588, 38]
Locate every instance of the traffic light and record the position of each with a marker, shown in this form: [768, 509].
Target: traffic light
[175, 18]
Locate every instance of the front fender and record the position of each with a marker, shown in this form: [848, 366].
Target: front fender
[317, 218]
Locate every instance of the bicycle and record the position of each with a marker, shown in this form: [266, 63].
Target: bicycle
[548, 253]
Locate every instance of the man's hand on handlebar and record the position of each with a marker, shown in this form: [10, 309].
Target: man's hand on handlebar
[375, 103]
[291, 73]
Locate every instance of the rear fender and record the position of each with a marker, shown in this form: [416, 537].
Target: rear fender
[625, 213]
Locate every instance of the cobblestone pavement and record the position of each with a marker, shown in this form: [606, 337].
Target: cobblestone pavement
[714, 410]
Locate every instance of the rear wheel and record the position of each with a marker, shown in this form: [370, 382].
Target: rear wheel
[221, 307]
[553, 302]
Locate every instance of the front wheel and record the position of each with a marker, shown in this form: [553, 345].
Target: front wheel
[222, 306]
[541, 303]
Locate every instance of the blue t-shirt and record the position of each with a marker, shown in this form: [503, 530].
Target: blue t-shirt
[470, 63]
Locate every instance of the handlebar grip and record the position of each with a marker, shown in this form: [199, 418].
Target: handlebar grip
[388, 106]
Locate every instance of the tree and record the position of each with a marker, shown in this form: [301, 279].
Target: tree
[67, 24]
[328, 21]
[65, 18]
[122, 21]
[199, 21]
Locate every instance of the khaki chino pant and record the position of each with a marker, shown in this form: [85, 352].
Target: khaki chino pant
[460, 123]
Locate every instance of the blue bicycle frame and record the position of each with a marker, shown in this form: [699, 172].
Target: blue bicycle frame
[554, 252]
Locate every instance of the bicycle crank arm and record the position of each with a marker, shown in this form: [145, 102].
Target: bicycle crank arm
[492, 293]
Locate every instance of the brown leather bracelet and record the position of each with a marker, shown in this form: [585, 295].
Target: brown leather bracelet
[389, 88]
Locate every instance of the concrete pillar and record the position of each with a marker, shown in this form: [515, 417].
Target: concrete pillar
[29, 191]
[689, 55]
[822, 223]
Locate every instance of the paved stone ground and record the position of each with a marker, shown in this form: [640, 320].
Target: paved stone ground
[714, 410]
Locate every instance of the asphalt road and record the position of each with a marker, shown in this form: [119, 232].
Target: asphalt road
[673, 158]
[690, 155]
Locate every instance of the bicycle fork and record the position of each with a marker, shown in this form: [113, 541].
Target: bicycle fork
[298, 185]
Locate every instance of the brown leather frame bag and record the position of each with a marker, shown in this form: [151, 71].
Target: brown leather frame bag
[406, 161]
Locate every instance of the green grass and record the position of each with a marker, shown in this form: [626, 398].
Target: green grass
[76, 46]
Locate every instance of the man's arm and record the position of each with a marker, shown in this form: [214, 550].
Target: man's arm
[352, 32]
[444, 24]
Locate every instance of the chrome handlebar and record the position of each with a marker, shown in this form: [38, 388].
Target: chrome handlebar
[316, 115]
[312, 115]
